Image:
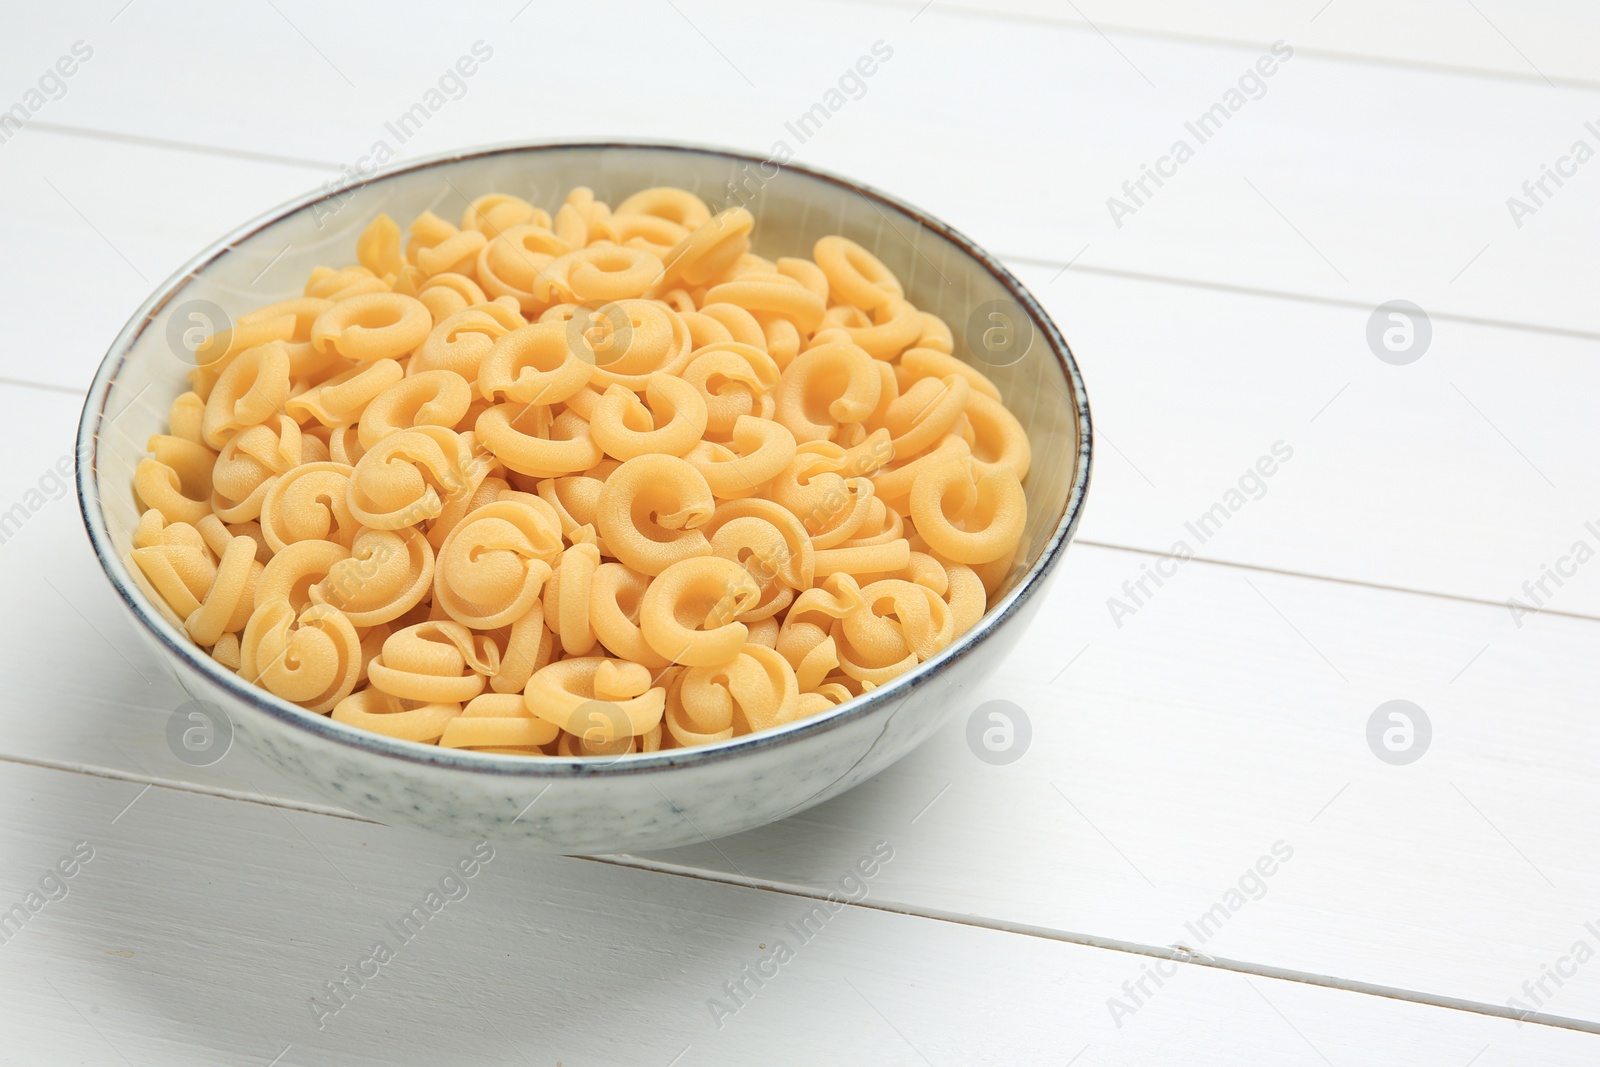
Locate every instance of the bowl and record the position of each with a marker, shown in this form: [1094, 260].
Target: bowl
[644, 800]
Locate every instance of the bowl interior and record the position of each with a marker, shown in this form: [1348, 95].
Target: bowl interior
[270, 260]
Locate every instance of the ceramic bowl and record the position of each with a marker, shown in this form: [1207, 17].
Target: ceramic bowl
[647, 800]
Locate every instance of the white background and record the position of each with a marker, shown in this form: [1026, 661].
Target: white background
[1168, 753]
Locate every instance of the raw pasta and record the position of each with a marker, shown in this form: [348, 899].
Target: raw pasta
[600, 483]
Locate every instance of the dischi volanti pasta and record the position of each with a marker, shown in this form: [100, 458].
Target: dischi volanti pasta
[581, 485]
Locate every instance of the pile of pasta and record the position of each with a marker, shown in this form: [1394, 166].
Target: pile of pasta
[600, 483]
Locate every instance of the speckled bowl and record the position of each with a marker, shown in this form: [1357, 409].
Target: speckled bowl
[643, 801]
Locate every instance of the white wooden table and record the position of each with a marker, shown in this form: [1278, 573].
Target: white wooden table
[1082, 904]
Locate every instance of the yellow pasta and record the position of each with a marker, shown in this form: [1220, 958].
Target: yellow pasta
[498, 722]
[251, 461]
[534, 365]
[372, 326]
[595, 698]
[582, 484]
[309, 503]
[855, 275]
[175, 479]
[426, 398]
[673, 423]
[339, 401]
[648, 512]
[406, 477]
[250, 392]
[310, 657]
[434, 662]
[689, 614]
[494, 564]
[386, 574]
[460, 341]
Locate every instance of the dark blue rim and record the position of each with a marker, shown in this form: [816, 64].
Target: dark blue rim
[893, 693]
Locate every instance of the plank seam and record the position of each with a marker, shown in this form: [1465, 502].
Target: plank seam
[1134, 948]
[89, 133]
[179, 786]
[1331, 54]
[1259, 568]
[1295, 297]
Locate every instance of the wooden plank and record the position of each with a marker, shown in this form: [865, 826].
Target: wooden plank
[112, 220]
[1454, 474]
[1322, 186]
[1487, 38]
[1226, 712]
[200, 931]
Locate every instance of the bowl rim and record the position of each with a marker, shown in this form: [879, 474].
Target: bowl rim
[895, 692]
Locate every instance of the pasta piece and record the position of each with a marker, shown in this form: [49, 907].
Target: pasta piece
[673, 423]
[921, 416]
[529, 646]
[649, 511]
[186, 417]
[640, 338]
[250, 392]
[434, 662]
[310, 502]
[757, 688]
[325, 283]
[584, 220]
[456, 254]
[923, 362]
[178, 565]
[460, 342]
[385, 575]
[372, 326]
[378, 247]
[616, 595]
[767, 538]
[494, 564]
[775, 294]
[497, 722]
[734, 380]
[311, 657]
[406, 477]
[230, 600]
[990, 513]
[758, 452]
[885, 333]
[377, 711]
[495, 212]
[601, 272]
[999, 440]
[176, 479]
[248, 465]
[855, 275]
[678, 206]
[213, 355]
[342, 399]
[825, 388]
[596, 698]
[710, 249]
[512, 263]
[689, 612]
[527, 440]
[535, 365]
[426, 398]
